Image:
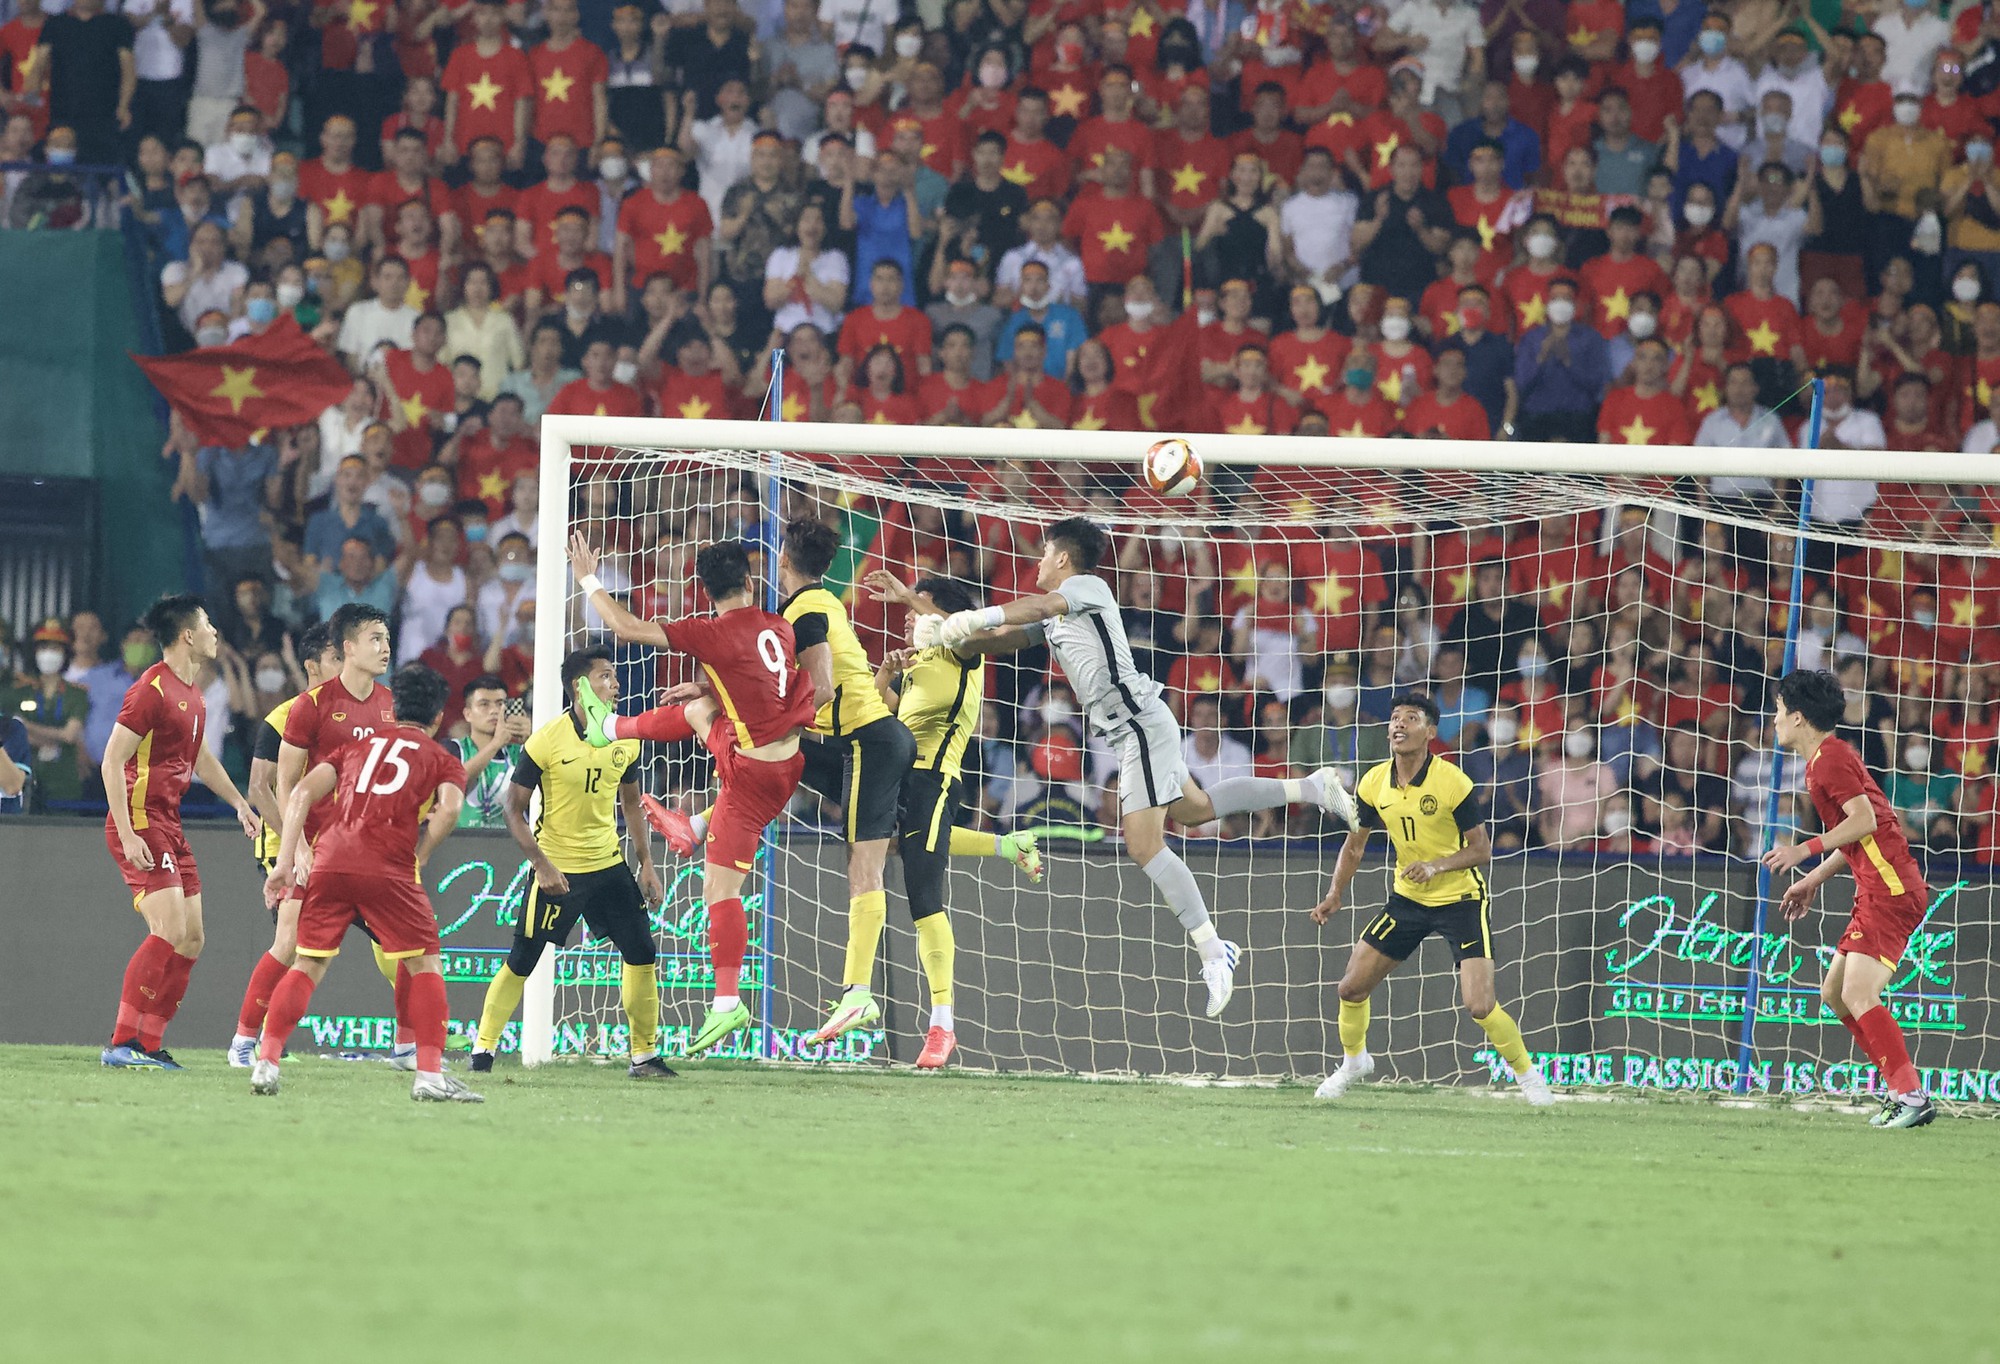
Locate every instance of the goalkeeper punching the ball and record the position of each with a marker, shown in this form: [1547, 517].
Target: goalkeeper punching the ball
[1077, 614]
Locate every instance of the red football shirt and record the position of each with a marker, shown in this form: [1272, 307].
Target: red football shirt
[387, 783]
[664, 236]
[167, 714]
[545, 271]
[1113, 235]
[474, 204]
[1281, 155]
[614, 400]
[1086, 147]
[1309, 368]
[1265, 415]
[1881, 861]
[975, 400]
[487, 471]
[1112, 410]
[387, 192]
[1461, 419]
[907, 332]
[538, 205]
[421, 396]
[751, 659]
[1860, 107]
[1770, 325]
[339, 194]
[1614, 283]
[1372, 418]
[329, 717]
[1626, 418]
[564, 82]
[488, 88]
[1190, 173]
[1039, 167]
[682, 395]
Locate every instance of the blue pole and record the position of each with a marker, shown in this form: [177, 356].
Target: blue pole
[774, 405]
[1747, 1040]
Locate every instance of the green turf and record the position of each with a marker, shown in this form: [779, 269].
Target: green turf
[795, 1215]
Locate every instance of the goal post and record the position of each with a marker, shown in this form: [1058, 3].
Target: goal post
[1624, 966]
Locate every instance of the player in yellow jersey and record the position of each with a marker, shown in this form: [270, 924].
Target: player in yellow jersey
[580, 871]
[937, 693]
[1437, 825]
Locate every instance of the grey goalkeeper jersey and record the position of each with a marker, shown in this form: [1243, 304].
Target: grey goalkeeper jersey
[1089, 641]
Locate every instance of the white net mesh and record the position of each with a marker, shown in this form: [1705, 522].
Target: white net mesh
[1604, 651]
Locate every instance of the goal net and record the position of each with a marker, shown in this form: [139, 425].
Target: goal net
[1603, 631]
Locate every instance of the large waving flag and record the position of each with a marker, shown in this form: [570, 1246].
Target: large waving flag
[226, 394]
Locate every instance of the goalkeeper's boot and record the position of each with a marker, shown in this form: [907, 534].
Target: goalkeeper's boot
[856, 1009]
[1024, 851]
[1334, 798]
[165, 1059]
[939, 1044]
[128, 1056]
[443, 1089]
[264, 1077]
[1912, 1110]
[1352, 1071]
[717, 1025]
[672, 825]
[1218, 973]
[651, 1068]
[1535, 1088]
[595, 712]
[242, 1053]
[482, 1063]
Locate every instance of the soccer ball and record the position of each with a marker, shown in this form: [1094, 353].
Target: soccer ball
[1172, 467]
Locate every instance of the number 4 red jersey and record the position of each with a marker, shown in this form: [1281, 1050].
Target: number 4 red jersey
[168, 716]
[1881, 861]
[752, 663]
[387, 784]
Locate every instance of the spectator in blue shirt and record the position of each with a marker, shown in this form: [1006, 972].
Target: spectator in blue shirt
[347, 516]
[1679, 21]
[1520, 148]
[1561, 371]
[1700, 156]
[233, 487]
[101, 674]
[361, 577]
[1061, 324]
[16, 765]
[884, 223]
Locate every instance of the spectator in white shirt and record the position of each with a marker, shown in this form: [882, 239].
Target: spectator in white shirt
[1716, 71]
[241, 162]
[387, 316]
[858, 21]
[721, 145]
[207, 281]
[1741, 424]
[1793, 71]
[806, 281]
[1447, 40]
[162, 29]
[1843, 426]
[1913, 33]
[1212, 756]
[1318, 222]
[1045, 244]
[1984, 437]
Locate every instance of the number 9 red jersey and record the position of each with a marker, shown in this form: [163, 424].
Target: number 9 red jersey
[751, 659]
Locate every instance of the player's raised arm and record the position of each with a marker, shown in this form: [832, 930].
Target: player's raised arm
[443, 819]
[1344, 868]
[307, 792]
[987, 630]
[583, 562]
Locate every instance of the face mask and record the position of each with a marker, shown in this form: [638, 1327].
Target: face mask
[1616, 822]
[1979, 151]
[48, 662]
[290, 295]
[514, 572]
[613, 168]
[1645, 51]
[1541, 246]
[1360, 378]
[1713, 42]
[1907, 112]
[243, 143]
[1340, 696]
[1525, 67]
[1916, 4]
[270, 679]
[1034, 301]
[434, 494]
[1774, 123]
[212, 336]
[909, 45]
[1395, 327]
[1139, 309]
[1204, 316]
[1642, 325]
[1917, 757]
[1833, 157]
[475, 533]
[462, 643]
[992, 76]
[1473, 319]
[961, 298]
[283, 188]
[857, 76]
[138, 658]
[260, 310]
[625, 371]
[1924, 618]
[335, 250]
[1532, 665]
[62, 156]
[1578, 744]
[1503, 732]
[1562, 312]
[1699, 215]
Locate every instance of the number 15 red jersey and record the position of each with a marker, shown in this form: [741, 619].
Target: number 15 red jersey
[752, 663]
[387, 783]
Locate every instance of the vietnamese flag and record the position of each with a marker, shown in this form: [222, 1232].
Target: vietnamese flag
[226, 394]
[1171, 396]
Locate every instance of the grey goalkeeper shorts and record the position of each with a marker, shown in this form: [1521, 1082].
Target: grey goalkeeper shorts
[1151, 768]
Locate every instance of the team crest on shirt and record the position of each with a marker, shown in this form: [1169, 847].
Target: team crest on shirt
[1428, 805]
[339, 716]
[184, 705]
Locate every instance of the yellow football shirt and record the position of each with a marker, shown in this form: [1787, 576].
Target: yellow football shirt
[578, 828]
[1425, 820]
[818, 617]
[940, 700]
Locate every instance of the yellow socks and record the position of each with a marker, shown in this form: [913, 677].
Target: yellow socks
[502, 995]
[938, 948]
[1505, 1035]
[972, 843]
[1354, 1027]
[639, 992]
[865, 915]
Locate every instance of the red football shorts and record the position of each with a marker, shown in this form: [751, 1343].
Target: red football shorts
[1880, 926]
[394, 910]
[173, 862]
[753, 794]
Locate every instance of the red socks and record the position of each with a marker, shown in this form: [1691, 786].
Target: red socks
[264, 978]
[173, 988]
[1883, 1041]
[728, 939]
[667, 723]
[288, 1006]
[141, 991]
[421, 1005]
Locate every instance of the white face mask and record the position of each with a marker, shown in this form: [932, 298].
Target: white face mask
[1616, 822]
[1503, 732]
[434, 494]
[613, 168]
[1395, 327]
[1645, 51]
[857, 76]
[1978, 151]
[1562, 312]
[1965, 290]
[1699, 215]
[243, 143]
[1342, 697]
[1774, 124]
[291, 295]
[1541, 246]
[1526, 67]
[1642, 325]
[212, 336]
[270, 679]
[1917, 757]
[961, 297]
[624, 372]
[336, 250]
[1907, 112]
[909, 45]
[1034, 300]
[48, 662]
[1057, 712]
[1533, 665]
[1578, 744]
[1139, 309]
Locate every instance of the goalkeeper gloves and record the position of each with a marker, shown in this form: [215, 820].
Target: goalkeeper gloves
[960, 626]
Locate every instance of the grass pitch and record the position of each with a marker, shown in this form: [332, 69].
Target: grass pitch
[795, 1215]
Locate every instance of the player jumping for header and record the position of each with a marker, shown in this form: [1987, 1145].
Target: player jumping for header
[1890, 898]
[1078, 615]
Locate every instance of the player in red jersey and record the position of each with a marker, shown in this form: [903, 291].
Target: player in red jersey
[154, 752]
[323, 720]
[394, 784]
[753, 680]
[1890, 898]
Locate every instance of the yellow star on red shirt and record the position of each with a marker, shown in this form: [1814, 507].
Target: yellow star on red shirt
[360, 13]
[1582, 38]
[793, 408]
[1067, 102]
[1637, 433]
[485, 91]
[1208, 681]
[1619, 305]
[1311, 375]
[671, 242]
[1972, 762]
[1764, 340]
[1354, 430]
[491, 486]
[238, 385]
[1533, 313]
[1247, 427]
[1850, 118]
[1025, 419]
[1244, 579]
[1019, 174]
[1706, 399]
[1488, 234]
[1386, 149]
[1966, 611]
[695, 408]
[418, 296]
[339, 208]
[1187, 180]
[556, 85]
[1390, 386]
[1141, 24]
[414, 410]
[1330, 595]
[1089, 421]
[1116, 237]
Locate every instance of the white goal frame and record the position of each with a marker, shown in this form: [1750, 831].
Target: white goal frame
[560, 434]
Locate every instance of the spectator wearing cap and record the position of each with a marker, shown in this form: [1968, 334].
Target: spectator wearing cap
[1520, 146]
[1045, 244]
[959, 303]
[1403, 229]
[1059, 329]
[1447, 40]
[53, 711]
[1561, 371]
[84, 65]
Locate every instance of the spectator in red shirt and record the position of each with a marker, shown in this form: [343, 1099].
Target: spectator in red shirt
[1614, 279]
[416, 391]
[1910, 425]
[489, 89]
[597, 393]
[1025, 395]
[1343, 84]
[1114, 127]
[1100, 406]
[407, 177]
[571, 76]
[1447, 412]
[1647, 412]
[536, 207]
[491, 458]
[1114, 228]
[1255, 408]
[1571, 117]
[887, 321]
[1037, 165]
[952, 396]
[334, 188]
[1267, 138]
[1653, 88]
[664, 229]
[881, 394]
[1358, 410]
[550, 273]
[692, 387]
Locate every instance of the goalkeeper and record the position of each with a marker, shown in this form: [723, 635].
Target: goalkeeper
[1078, 615]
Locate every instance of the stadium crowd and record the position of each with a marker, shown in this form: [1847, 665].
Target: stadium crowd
[1628, 223]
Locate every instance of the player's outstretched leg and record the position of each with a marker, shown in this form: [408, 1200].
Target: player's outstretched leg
[1367, 968]
[1022, 849]
[1475, 983]
[1242, 795]
[1853, 988]
[1145, 842]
